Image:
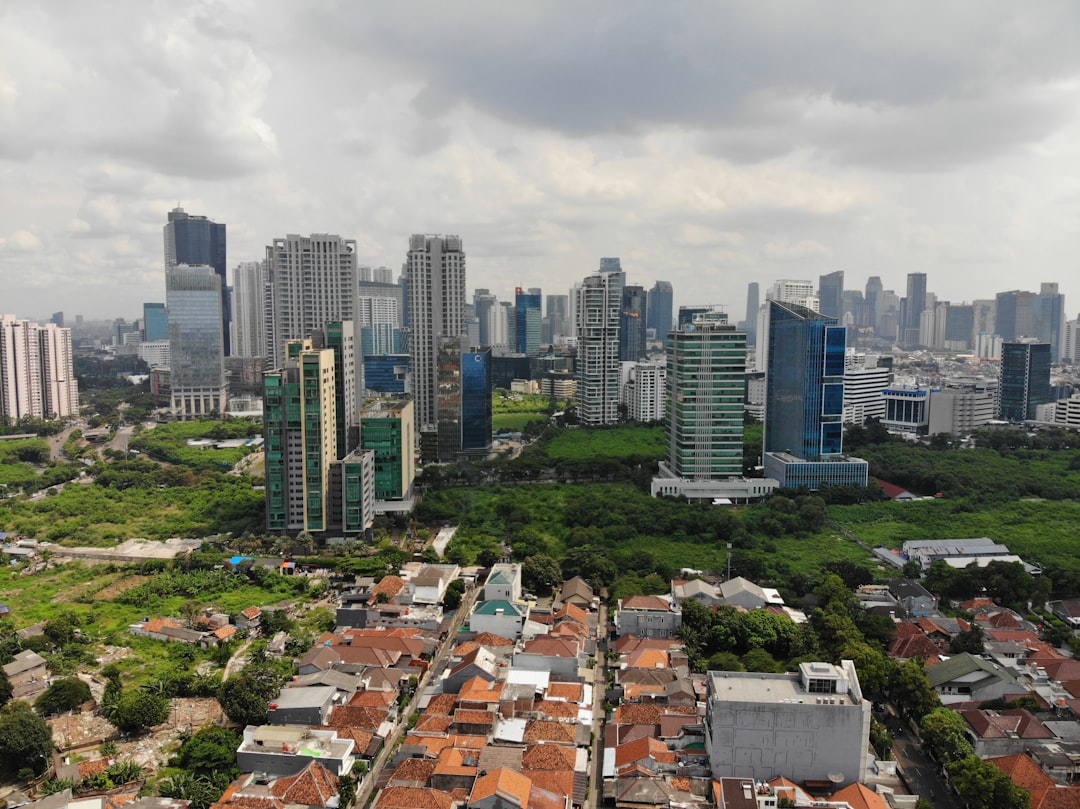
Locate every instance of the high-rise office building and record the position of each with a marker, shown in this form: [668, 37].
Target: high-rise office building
[660, 308]
[554, 325]
[386, 429]
[155, 322]
[37, 379]
[831, 295]
[310, 281]
[1050, 323]
[1070, 344]
[911, 309]
[706, 381]
[527, 321]
[632, 321]
[599, 307]
[483, 301]
[435, 271]
[464, 403]
[804, 400]
[753, 303]
[1016, 314]
[199, 241]
[1024, 380]
[248, 308]
[196, 341]
[874, 288]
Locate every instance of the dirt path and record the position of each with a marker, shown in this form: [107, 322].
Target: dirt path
[237, 661]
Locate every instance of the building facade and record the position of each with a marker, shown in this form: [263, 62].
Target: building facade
[435, 272]
[196, 342]
[599, 308]
[310, 281]
[197, 240]
[527, 321]
[1024, 381]
[632, 321]
[644, 392]
[37, 379]
[386, 429]
[659, 310]
[155, 325]
[248, 309]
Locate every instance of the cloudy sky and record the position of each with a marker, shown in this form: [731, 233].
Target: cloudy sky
[709, 144]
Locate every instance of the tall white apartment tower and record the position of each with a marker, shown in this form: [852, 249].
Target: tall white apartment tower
[310, 281]
[599, 306]
[36, 375]
[435, 269]
[248, 323]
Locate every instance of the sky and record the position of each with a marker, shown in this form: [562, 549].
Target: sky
[708, 144]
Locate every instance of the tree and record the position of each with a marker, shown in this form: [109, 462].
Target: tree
[139, 710]
[25, 740]
[199, 789]
[944, 735]
[62, 695]
[5, 688]
[981, 785]
[970, 641]
[911, 691]
[211, 752]
[454, 593]
[245, 697]
[911, 570]
[541, 573]
[760, 660]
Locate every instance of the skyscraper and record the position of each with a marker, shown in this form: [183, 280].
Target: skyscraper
[196, 341]
[1016, 314]
[874, 288]
[197, 240]
[804, 400]
[386, 428]
[911, 308]
[1050, 324]
[435, 271]
[599, 306]
[706, 379]
[248, 309]
[660, 307]
[753, 303]
[632, 319]
[37, 379]
[831, 294]
[1024, 381]
[1070, 345]
[311, 281]
[555, 323]
[155, 322]
[527, 321]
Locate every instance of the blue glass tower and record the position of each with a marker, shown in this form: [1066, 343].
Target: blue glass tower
[155, 322]
[196, 240]
[476, 402]
[804, 400]
[527, 321]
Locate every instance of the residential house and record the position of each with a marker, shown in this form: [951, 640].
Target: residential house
[966, 678]
[561, 656]
[740, 592]
[282, 750]
[503, 582]
[915, 598]
[28, 675]
[499, 617]
[478, 663]
[575, 591]
[1002, 733]
[697, 589]
[413, 798]
[249, 619]
[302, 706]
[648, 616]
[1068, 610]
[314, 786]
[428, 585]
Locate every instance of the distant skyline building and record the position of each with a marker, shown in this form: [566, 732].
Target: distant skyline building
[804, 400]
[632, 319]
[1070, 350]
[1016, 314]
[1050, 323]
[155, 325]
[249, 309]
[660, 308]
[196, 342]
[556, 317]
[527, 314]
[1024, 380]
[37, 378]
[435, 272]
[311, 281]
[599, 308]
[831, 294]
[753, 303]
[197, 240]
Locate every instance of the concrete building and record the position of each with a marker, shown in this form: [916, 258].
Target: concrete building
[283, 750]
[248, 309]
[648, 616]
[37, 378]
[1067, 413]
[198, 241]
[764, 725]
[1024, 381]
[310, 281]
[435, 272]
[644, 391]
[863, 387]
[599, 306]
[387, 428]
[503, 582]
[196, 341]
[907, 410]
[959, 408]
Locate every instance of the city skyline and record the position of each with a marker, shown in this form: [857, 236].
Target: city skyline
[733, 147]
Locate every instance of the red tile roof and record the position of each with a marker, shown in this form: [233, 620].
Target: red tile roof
[491, 639]
[860, 797]
[413, 798]
[416, 770]
[441, 705]
[466, 717]
[572, 692]
[561, 782]
[549, 646]
[356, 716]
[545, 730]
[548, 757]
[504, 783]
[452, 762]
[557, 709]
[642, 714]
[312, 786]
[373, 699]
[642, 749]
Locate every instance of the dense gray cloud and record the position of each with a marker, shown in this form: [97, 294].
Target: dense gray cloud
[709, 144]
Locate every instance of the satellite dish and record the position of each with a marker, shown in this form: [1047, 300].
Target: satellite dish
[836, 777]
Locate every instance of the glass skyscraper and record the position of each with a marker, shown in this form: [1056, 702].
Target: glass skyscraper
[193, 240]
[196, 341]
[527, 321]
[155, 322]
[476, 402]
[1024, 383]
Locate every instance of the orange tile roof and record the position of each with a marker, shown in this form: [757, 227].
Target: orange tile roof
[573, 612]
[373, 699]
[637, 691]
[679, 782]
[157, 624]
[312, 786]
[641, 714]
[550, 646]
[465, 648]
[557, 709]
[641, 749]
[548, 757]
[860, 797]
[466, 717]
[433, 723]
[491, 639]
[452, 762]
[1055, 797]
[504, 783]
[545, 730]
[485, 695]
[561, 782]
[357, 716]
[645, 603]
[251, 612]
[413, 798]
[433, 744]
[88, 768]
[414, 769]
[388, 585]
[224, 632]
[570, 628]
[1022, 770]
[648, 659]
[441, 705]
[572, 692]
[361, 738]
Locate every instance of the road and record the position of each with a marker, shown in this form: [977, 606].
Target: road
[365, 788]
[596, 784]
[918, 769]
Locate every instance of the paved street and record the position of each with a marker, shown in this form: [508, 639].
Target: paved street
[919, 770]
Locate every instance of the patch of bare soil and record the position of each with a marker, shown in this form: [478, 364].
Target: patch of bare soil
[119, 586]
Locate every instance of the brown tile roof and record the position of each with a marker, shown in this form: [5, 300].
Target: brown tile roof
[572, 612]
[388, 585]
[545, 730]
[413, 798]
[636, 691]
[465, 648]
[414, 770]
[910, 646]
[645, 603]
[433, 744]
[561, 782]
[1024, 636]
[642, 714]
[628, 643]
[433, 723]
[158, 624]
[356, 716]
[491, 639]
[641, 749]
[542, 799]
[557, 709]
[312, 786]
[552, 646]
[479, 690]
[224, 632]
[1055, 797]
[494, 756]
[373, 699]
[253, 612]
[1006, 724]
[548, 757]
[441, 705]
[467, 717]
[505, 783]
[572, 692]
[572, 629]
[95, 767]
[1022, 770]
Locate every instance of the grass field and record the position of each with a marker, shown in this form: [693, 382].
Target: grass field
[514, 422]
[623, 441]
